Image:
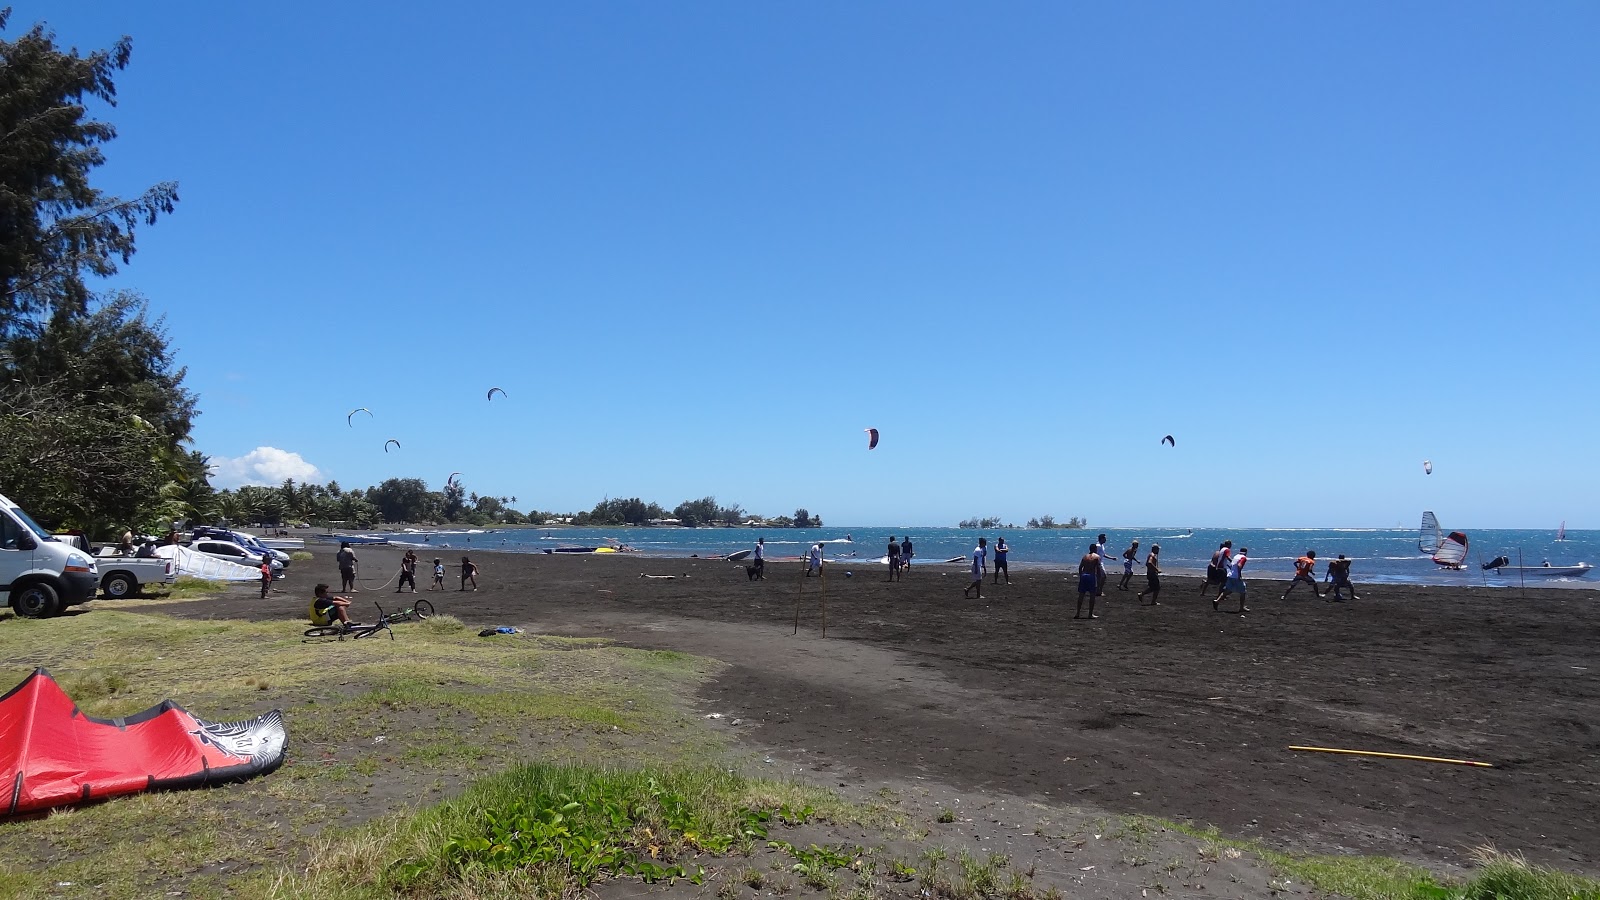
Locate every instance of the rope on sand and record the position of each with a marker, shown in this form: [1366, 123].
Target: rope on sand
[1437, 759]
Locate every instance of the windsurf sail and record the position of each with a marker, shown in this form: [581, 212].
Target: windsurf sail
[52, 755]
[1561, 533]
[1453, 550]
[1430, 537]
[199, 565]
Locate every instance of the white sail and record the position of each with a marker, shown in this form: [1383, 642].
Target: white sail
[199, 565]
[1430, 537]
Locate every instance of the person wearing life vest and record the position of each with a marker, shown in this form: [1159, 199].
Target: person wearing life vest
[1305, 569]
[326, 609]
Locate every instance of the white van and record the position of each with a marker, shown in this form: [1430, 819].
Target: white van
[39, 575]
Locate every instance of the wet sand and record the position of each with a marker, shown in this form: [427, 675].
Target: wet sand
[1171, 710]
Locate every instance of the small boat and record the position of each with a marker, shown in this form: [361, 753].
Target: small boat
[573, 550]
[1545, 571]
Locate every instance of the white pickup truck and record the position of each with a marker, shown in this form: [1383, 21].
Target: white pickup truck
[123, 576]
[39, 575]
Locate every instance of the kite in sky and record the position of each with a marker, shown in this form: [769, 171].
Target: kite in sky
[349, 419]
[872, 439]
[391, 441]
[1169, 441]
[490, 395]
[1427, 467]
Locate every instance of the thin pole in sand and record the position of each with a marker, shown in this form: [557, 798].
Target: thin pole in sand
[1522, 575]
[799, 597]
[1437, 759]
[823, 571]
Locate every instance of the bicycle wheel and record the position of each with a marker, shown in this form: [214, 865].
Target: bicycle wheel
[325, 631]
[374, 629]
[423, 609]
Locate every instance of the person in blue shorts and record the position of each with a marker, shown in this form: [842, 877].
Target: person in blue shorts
[1000, 553]
[1089, 571]
[1235, 581]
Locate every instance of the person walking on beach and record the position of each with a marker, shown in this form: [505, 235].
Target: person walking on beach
[1100, 551]
[1305, 569]
[894, 559]
[438, 575]
[1340, 569]
[1129, 556]
[1217, 569]
[905, 555]
[1089, 573]
[1000, 553]
[1235, 580]
[469, 572]
[266, 576]
[814, 560]
[347, 568]
[980, 559]
[408, 572]
[761, 559]
[1152, 576]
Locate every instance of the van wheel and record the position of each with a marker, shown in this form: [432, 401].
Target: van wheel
[36, 600]
[118, 585]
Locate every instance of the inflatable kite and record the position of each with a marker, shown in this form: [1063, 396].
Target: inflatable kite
[451, 478]
[490, 395]
[350, 419]
[391, 441]
[53, 755]
[1427, 467]
[1169, 441]
[872, 439]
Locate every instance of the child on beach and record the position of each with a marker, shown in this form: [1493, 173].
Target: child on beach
[438, 575]
[469, 572]
[266, 576]
[325, 610]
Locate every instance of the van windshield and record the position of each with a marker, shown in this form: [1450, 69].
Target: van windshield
[33, 526]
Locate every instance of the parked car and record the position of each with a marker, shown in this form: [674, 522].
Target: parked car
[232, 552]
[248, 541]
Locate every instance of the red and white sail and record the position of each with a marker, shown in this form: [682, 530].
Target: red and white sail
[1453, 551]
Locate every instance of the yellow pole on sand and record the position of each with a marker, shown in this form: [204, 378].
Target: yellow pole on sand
[1437, 759]
[798, 597]
[823, 571]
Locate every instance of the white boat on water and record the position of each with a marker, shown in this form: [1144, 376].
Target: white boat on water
[1545, 571]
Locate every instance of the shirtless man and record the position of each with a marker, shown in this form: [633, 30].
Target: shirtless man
[1152, 576]
[1089, 574]
[1128, 557]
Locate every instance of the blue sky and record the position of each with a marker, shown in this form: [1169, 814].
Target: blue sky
[702, 246]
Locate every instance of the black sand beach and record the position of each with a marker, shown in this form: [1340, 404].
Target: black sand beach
[1173, 710]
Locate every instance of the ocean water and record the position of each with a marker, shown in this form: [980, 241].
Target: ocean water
[1381, 555]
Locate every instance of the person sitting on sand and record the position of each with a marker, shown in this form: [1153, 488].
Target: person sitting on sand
[1235, 582]
[1152, 576]
[1089, 570]
[980, 562]
[326, 610]
[1305, 569]
[469, 572]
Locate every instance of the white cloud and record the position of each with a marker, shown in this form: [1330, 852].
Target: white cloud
[264, 466]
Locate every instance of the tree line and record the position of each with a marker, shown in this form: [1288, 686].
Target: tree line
[1040, 522]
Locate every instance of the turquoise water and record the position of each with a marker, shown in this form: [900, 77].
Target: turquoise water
[1382, 555]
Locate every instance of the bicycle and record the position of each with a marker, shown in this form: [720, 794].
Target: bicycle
[420, 609]
[341, 630]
